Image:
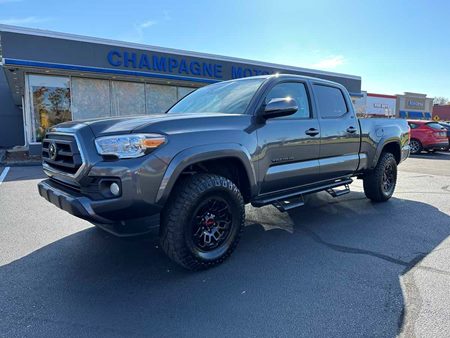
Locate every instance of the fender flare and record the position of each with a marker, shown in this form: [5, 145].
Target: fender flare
[202, 153]
[381, 144]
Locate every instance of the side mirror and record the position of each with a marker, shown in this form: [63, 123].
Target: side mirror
[280, 107]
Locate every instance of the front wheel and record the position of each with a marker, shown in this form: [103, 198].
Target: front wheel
[379, 184]
[202, 221]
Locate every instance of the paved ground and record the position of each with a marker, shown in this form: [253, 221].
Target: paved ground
[336, 267]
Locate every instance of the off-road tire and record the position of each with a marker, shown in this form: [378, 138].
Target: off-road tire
[177, 218]
[373, 181]
[418, 149]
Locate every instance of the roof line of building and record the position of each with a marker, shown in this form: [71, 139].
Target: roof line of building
[382, 95]
[67, 36]
[100, 70]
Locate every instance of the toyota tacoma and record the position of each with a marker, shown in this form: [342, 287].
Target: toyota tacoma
[265, 140]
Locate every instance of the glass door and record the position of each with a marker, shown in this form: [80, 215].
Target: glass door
[49, 98]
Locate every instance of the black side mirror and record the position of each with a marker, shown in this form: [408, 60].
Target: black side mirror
[280, 107]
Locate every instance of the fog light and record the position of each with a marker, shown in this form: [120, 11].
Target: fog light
[115, 189]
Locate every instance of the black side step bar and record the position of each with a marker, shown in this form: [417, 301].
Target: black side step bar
[337, 193]
[289, 204]
[295, 199]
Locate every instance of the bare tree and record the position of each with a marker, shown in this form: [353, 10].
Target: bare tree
[440, 100]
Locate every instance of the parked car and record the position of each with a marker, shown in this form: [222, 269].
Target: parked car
[427, 135]
[261, 140]
[446, 125]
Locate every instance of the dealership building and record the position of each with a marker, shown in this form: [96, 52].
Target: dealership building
[49, 77]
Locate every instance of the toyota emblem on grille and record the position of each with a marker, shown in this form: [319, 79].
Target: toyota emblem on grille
[52, 151]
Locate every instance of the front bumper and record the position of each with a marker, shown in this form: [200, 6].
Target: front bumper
[70, 201]
[81, 206]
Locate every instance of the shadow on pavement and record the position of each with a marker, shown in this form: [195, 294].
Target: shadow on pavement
[336, 273]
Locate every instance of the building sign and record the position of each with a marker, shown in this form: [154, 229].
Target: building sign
[415, 104]
[179, 65]
[380, 105]
[93, 56]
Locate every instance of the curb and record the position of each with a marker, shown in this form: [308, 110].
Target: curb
[21, 164]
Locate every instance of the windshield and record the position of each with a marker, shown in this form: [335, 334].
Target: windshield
[231, 97]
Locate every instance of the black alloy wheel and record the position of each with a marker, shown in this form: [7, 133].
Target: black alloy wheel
[379, 183]
[211, 224]
[389, 178]
[202, 223]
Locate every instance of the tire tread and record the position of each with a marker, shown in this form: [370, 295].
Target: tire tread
[371, 181]
[183, 197]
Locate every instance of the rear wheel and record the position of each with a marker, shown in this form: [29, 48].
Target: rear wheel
[379, 184]
[415, 146]
[202, 222]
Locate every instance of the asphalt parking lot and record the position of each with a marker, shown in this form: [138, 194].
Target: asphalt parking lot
[335, 267]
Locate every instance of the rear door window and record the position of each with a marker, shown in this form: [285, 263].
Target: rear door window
[435, 125]
[331, 101]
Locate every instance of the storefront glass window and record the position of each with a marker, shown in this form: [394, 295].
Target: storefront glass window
[128, 98]
[183, 91]
[90, 98]
[50, 97]
[160, 98]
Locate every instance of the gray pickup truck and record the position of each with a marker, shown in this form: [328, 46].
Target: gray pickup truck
[260, 140]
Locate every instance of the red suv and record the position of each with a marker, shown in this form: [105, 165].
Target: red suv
[427, 135]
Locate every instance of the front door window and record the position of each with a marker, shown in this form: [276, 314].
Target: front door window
[50, 96]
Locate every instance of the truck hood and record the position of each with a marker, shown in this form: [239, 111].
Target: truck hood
[144, 123]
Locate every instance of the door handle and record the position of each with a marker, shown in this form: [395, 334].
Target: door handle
[351, 130]
[312, 132]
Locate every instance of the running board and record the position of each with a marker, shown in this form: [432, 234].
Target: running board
[337, 193]
[295, 199]
[289, 204]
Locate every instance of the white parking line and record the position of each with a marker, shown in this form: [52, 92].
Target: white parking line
[3, 175]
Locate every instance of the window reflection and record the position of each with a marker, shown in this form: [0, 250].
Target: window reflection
[57, 99]
[51, 103]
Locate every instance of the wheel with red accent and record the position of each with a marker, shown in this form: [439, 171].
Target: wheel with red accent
[202, 221]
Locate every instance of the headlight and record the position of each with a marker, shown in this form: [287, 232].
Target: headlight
[128, 146]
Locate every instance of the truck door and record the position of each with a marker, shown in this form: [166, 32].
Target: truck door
[340, 132]
[289, 146]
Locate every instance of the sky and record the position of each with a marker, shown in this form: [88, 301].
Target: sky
[395, 46]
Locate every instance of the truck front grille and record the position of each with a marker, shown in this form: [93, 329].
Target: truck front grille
[60, 152]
